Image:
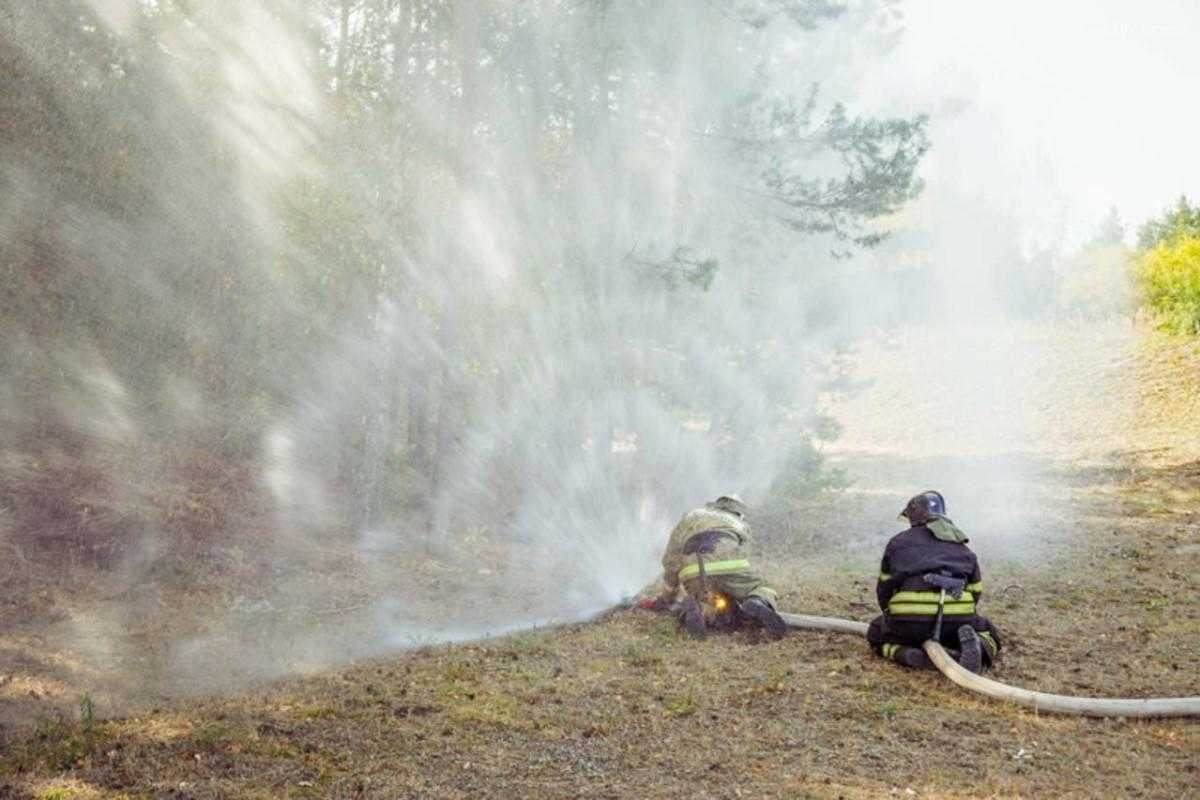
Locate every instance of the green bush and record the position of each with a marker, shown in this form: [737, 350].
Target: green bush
[803, 477]
[1168, 277]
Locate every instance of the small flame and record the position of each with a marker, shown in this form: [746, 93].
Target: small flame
[720, 603]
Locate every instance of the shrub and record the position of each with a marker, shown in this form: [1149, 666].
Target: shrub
[1168, 277]
[803, 477]
[1095, 283]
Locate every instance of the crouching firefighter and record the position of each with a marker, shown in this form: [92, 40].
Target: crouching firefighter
[929, 588]
[707, 556]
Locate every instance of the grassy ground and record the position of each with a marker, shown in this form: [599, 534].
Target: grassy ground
[626, 707]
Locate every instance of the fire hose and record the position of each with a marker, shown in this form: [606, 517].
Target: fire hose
[1040, 701]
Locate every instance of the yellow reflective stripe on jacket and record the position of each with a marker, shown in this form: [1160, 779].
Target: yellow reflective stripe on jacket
[714, 568]
[931, 610]
[914, 596]
[925, 604]
[884, 576]
[977, 586]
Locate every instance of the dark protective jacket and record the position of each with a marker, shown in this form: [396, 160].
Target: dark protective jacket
[902, 592]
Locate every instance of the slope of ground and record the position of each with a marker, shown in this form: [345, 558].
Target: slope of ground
[1091, 544]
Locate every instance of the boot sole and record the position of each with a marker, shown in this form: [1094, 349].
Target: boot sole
[972, 655]
[770, 620]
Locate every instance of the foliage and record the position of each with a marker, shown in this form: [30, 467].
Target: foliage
[1110, 232]
[681, 705]
[876, 161]
[807, 14]
[202, 240]
[1167, 267]
[87, 715]
[680, 269]
[1181, 221]
[1094, 282]
[1168, 278]
[803, 478]
[805, 474]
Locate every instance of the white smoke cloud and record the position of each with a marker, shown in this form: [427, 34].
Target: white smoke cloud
[511, 318]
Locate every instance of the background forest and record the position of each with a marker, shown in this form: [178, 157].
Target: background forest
[401, 269]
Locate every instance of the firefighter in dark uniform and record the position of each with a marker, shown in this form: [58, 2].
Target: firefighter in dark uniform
[925, 569]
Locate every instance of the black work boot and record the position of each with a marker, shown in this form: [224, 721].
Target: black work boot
[758, 610]
[693, 619]
[914, 657]
[971, 657]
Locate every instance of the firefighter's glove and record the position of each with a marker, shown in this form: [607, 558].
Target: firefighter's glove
[658, 604]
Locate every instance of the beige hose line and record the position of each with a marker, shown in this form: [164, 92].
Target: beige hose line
[831, 624]
[1041, 701]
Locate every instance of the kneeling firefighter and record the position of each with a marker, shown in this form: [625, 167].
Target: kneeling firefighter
[706, 555]
[929, 588]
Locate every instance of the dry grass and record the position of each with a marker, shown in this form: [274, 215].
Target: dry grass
[582, 712]
[627, 707]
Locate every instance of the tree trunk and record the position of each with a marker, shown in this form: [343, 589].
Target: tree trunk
[343, 46]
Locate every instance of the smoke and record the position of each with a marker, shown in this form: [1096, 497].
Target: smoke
[1004, 314]
[429, 324]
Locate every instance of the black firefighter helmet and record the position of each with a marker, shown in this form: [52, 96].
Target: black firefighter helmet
[731, 503]
[924, 507]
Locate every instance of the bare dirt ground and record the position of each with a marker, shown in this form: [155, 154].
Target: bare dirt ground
[1080, 486]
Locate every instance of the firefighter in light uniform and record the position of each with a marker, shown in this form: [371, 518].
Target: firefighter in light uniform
[718, 536]
[932, 551]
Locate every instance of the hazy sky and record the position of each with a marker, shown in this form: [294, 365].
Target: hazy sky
[1072, 106]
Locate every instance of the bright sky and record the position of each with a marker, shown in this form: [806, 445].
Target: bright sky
[1075, 105]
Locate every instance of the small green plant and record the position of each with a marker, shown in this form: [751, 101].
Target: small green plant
[55, 793]
[270, 749]
[316, 712]
[803, 476]
[87, 715]
[776, 679]
[666, 630]
[526, 644]
[460, 671]
[641, 657]
[211, 735]
[493, 709]
[681, 705]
